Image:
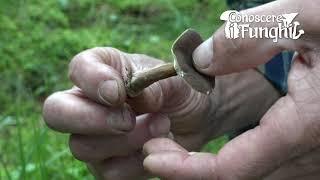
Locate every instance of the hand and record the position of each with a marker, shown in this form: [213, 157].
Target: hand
[108, 129]
[286, 144]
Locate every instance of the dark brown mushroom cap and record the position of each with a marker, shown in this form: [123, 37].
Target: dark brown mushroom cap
[182, 50]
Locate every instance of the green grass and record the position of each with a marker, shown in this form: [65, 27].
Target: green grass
[37, 40]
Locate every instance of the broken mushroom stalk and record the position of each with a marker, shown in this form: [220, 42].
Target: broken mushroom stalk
[182, 66]
[143, 79]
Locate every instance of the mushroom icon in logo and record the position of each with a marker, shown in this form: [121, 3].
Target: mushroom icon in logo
[231, 29]
[288, 18]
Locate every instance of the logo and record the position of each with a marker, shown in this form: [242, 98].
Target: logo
[273, 27]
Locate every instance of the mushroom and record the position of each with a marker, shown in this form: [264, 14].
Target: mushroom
[182, 66]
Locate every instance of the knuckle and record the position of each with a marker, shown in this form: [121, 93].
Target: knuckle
[106, 55]
[110, 56]
[82, 58]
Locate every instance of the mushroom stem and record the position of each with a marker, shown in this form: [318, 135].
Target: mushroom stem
[143, 79]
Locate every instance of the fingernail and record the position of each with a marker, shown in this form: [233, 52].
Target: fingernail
[151, 161]
[203, 55]
[108, 92]
[125, 123]
[159, 127]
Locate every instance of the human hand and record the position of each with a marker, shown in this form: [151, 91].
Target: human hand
[286, 143]
[108, 129]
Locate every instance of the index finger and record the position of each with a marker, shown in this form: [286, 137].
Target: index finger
[97, 72]
[72, 112]
[242, 44]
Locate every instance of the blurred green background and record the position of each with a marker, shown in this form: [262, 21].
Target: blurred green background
[37, 40]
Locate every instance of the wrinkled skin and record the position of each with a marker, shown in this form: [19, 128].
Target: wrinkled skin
[108, 130]
[286, 144]
[109, 136]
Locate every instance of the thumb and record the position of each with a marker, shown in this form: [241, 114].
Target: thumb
[221, 55]
[168, 160]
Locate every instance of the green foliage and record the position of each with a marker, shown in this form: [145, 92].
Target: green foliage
[215, 145]
[37, 40]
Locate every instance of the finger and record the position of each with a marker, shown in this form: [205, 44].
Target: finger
[287, 130]
[220, 55]
[101, 73]
[71, 112]
[96, 148]
[121, 168]
[249, 156]
[261, 150]
[173, 162]
[161, 144]
[179, 165]
[97, 72]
